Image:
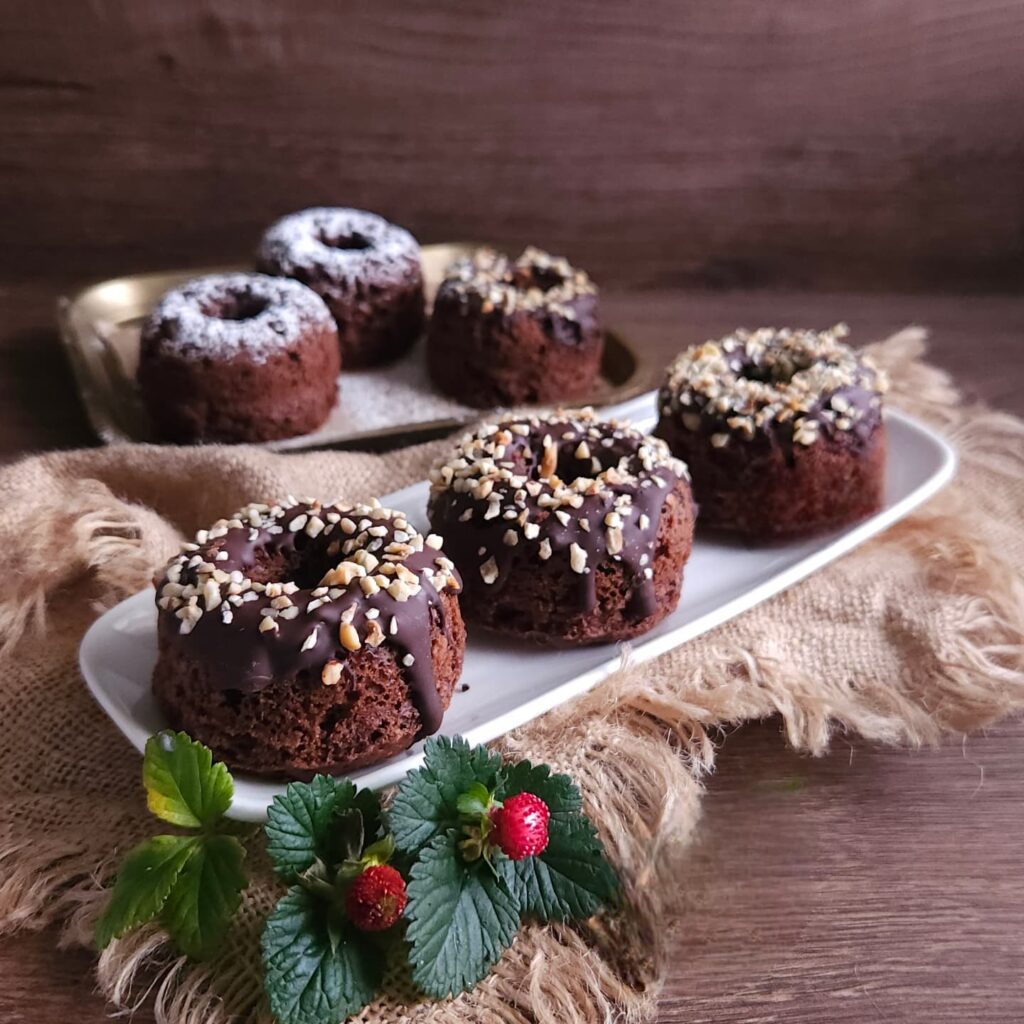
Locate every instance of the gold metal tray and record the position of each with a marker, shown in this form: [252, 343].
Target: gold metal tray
[380, 407]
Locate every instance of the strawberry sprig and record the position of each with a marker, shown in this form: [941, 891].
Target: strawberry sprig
[321, 958]
[491, 844]
[469, 848]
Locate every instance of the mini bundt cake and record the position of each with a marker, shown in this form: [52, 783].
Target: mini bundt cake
[505, 333]
[366, 269]
[300, 638]
[566, 529]
[238, 357]
[782, 431]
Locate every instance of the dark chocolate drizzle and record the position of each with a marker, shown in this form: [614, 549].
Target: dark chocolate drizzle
[241, 657]
[607, 501]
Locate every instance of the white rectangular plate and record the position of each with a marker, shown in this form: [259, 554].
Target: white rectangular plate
[512, 682]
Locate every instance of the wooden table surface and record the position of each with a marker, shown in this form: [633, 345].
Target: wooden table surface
[869, 885]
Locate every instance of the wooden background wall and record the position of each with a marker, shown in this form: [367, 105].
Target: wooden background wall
[875, 143]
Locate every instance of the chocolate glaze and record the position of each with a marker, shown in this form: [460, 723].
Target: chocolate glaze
[572, 320]
[630, 479]
[764, 389]
[243, 658]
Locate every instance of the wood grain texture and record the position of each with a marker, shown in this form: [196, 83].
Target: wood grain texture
[870, 885]
[719, 142]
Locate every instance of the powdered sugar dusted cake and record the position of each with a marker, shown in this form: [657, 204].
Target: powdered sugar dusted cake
[238, 357]
[366, 269]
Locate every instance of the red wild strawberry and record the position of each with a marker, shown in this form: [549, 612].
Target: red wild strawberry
[376, 899]
[521, 826]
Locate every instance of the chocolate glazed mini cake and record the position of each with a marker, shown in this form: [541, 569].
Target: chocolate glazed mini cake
[506, 333]
[366, 269]
[782, 431]
[302, 638]
[238, 357]
[568, 529]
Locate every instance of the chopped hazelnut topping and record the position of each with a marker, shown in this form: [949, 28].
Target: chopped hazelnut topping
[577, 558]
[489, 570]
[349, 637]
[614, 538]
[331, 673]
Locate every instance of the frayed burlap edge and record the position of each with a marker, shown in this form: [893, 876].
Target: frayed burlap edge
[638, 744]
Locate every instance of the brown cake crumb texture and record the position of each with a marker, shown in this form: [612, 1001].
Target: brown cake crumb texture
[238, 357]
[566, 529]
[305, 637]
[782, 431]
[514, 333]
[365, 268]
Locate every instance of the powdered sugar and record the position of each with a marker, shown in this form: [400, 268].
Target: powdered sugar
[302, 243]
[221, 316]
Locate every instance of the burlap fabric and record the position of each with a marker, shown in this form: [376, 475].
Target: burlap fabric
[916, 634]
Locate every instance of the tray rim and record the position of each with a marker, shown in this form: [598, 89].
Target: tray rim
[638, 652]
[102, 406]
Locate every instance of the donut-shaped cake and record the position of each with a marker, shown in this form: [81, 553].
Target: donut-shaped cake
[514, 333]
[301, 638]
[366, 269]
[781, 429]
[567, 529]
[238, 357]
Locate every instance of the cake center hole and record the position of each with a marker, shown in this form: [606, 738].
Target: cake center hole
[779, 370]
[545, 278]
[236, 307]
[304, 563]
[570, 465]
[351, 240]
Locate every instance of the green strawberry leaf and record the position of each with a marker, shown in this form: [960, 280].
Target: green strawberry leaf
[183, 783]
[559, 792]
[205, 896]
[475, 801]
[302, 823]
[461, 917]
[144, 881]
[316, 971]
[427, 802]
[570, 879]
